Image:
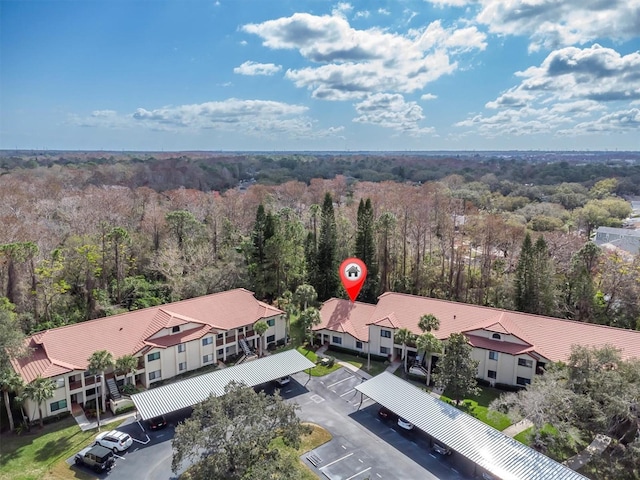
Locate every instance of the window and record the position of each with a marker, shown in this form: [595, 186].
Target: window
[492, 374]
[182, 366]
[384, 350]
[493, 355]
[175, 329]
[220, 336]
[271, 338]
[181, 347]
[385, 333]
[153, 356]
[337, 340]
[496, 336]
[523, 381]
[220, 351]
[271, 322]
[359, 345]
[207, 341]
[59, 405]
[207, 358]
[89, 392]
[523, 362]
[59, 382]
[155, 375]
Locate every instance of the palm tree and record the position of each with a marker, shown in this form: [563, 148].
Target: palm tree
[305, 296]
[309, 318]
[404, 336]
[126, 365]
[285, 302]
[428, 344]
[10, 381]
[260, 327]
[99, 361]
[40, 390]
[428, 322]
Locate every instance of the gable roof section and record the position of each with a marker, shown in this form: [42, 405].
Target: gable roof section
[348, 317]
[64, 349]
[550, 337]
[498, 346]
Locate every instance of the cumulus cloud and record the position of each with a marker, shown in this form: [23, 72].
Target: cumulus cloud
[618, 121]
[253, 117]
[255, 68]
[428, 96]
[356, 63]
[572, 89]
[391, 111]
[552, 23]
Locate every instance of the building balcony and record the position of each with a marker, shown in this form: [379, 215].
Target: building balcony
[75, 386]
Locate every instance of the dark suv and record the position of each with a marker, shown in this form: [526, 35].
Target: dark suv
[99, 458]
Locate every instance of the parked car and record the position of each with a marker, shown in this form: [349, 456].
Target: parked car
[115, 440]
[403, 423]
[386, 414]
[156, 423]
[441, 449]
[98, 458]
[283, 380]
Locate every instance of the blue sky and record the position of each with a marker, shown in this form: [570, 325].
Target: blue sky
[320, 75]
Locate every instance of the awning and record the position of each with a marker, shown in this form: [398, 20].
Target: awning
[191, 391]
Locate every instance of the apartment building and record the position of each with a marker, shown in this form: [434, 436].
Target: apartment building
[168, 340]
[511, 347]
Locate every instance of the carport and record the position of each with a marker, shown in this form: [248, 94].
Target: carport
[497, 454]
[191, 391]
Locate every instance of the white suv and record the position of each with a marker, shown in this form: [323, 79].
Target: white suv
[115, 440]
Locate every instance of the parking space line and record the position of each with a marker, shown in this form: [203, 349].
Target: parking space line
[354, 476]
[336, 461]
[340, 381]
[347, 393]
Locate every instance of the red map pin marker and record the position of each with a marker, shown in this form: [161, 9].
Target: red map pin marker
[353, 273]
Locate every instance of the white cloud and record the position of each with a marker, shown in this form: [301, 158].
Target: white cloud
[384, 11]
[342, 9]
[428, 96]
[254, 68]
[554, 23]
[615, 122]
[391, 111]
[572, 90]
[252, 117]
[359, 62]
[363, 14]
[450, 3]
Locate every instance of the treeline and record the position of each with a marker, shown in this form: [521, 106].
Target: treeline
[207, 171]
[72, 251]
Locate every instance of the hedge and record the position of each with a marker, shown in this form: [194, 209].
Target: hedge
[358, 353]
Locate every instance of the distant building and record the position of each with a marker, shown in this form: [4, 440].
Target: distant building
[618, 238]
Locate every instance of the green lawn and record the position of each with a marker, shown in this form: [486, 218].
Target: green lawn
[361, 363]
[318, 436]
[318, 370]
[479, 407]
[41, 454]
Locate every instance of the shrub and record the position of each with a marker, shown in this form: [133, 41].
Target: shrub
[125, 409]
[331, 362]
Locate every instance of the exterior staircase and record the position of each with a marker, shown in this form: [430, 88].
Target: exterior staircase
[113, 389]
[245, 347]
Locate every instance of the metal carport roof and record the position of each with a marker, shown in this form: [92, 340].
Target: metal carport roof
[495, 452]
[191, 391]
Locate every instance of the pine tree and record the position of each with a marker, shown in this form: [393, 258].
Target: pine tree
[327, 261]
[263, 230]
[524, 285]
[366, 250]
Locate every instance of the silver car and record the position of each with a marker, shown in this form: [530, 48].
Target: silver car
[114, 440]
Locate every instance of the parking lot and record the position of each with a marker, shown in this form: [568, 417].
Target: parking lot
[363, 445]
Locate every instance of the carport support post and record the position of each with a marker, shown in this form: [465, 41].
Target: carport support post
[369, 356]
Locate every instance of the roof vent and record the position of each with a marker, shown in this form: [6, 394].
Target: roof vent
[120, 328]
[454, 317]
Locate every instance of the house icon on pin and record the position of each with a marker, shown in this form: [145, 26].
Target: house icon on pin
[353, 271]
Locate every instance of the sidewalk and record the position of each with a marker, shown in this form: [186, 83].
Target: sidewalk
[85, 424]
[516, 428]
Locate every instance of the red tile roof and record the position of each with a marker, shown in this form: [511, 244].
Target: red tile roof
[498, 346]
[68, 348]
[550, 337]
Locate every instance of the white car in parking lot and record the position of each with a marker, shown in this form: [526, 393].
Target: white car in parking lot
[403, 423]
[114, 440]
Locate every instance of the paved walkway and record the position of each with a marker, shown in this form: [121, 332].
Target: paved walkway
[85, 424]
[516, 428]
